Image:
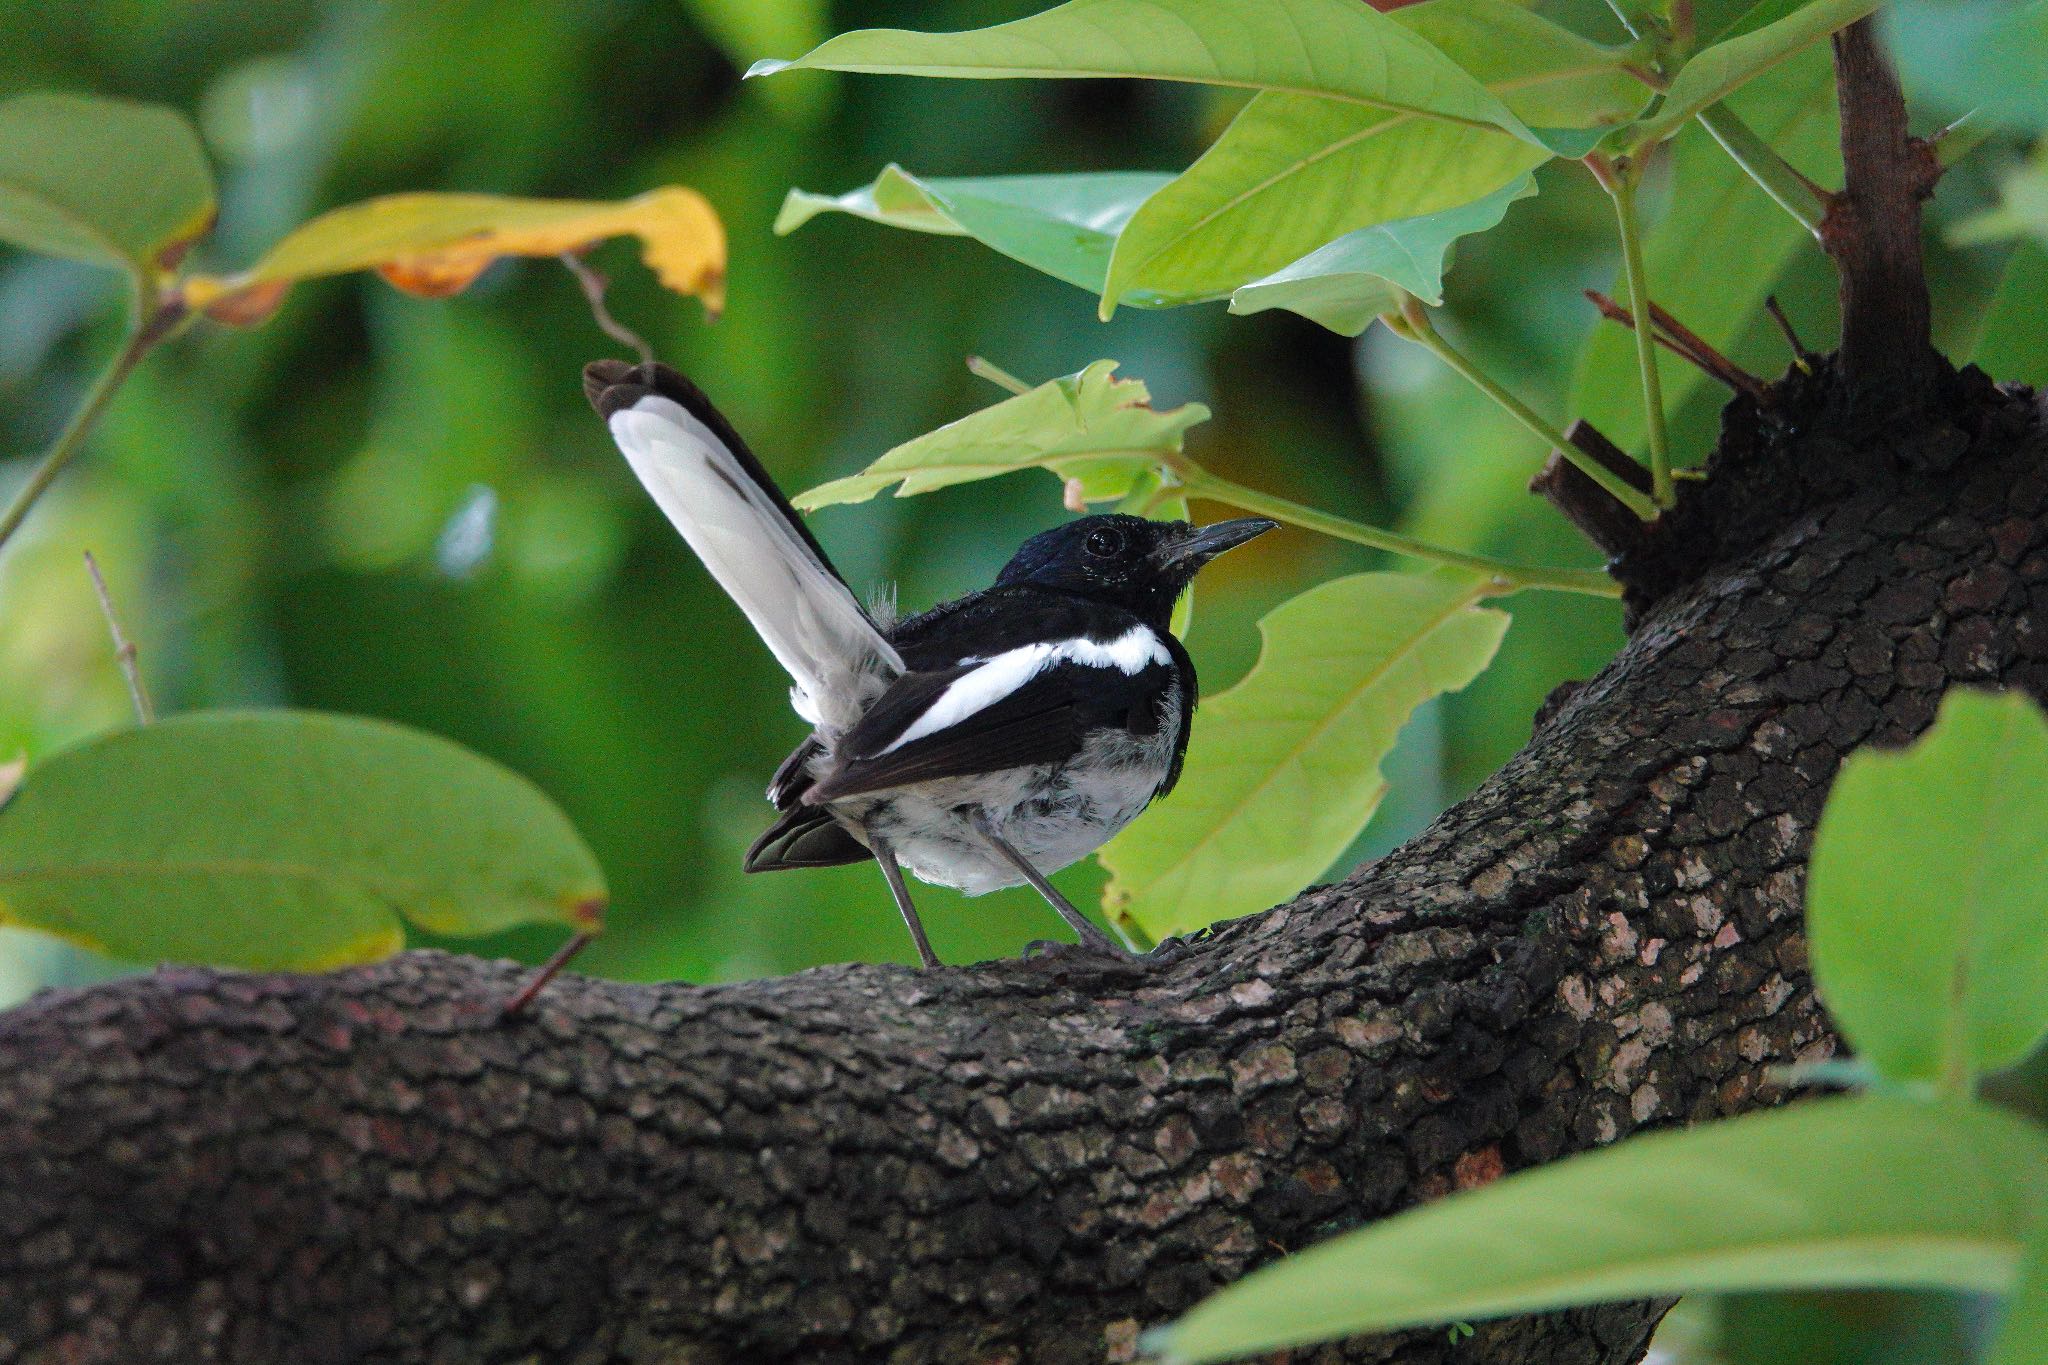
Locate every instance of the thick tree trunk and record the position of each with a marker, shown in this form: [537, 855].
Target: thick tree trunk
[1032, 1160]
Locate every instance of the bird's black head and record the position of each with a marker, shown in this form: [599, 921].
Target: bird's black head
[1139, 565]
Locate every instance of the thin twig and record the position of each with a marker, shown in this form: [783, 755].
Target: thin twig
[1800, 355]
[165, 322]
[594, 286]
[124, 648]
[546, 973]
[1675, 337]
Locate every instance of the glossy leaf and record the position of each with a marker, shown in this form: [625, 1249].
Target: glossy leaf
[1984, 59]
[1840, 1192]
[1717, 214]
[1927, 896]
[1290, 173]
[283, 839]
[436, 244]
[1363, 274]
[1283, 770]
[1063, 225]
[1717, 71]
[1332, 48]
[1091, 427]
[99, 180]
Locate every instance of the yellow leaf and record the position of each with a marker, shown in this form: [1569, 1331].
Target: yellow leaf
[435, 244]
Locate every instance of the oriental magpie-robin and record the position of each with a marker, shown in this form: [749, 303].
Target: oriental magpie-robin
[985, 743]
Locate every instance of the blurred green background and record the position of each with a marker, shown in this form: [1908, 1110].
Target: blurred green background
[395, 507]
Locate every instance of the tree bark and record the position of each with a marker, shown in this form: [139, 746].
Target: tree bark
[1032, 1160]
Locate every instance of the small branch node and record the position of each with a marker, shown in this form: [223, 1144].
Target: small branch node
[1801, 357]
[124, 648]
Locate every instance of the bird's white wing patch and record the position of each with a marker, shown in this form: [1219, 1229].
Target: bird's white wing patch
[808, 618]
[999, 675]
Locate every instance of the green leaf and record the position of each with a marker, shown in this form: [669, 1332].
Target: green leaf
[2011, 344]
[2023, 1336]
[1363, 274]
[1063, 225]
[1975, 57]
[1288, 175]
[1283, 770]
[99, 180]
[1717, 71]
[283, 840]
[1926, 894]
[1089, 426]
[1292, 173]
[1333, 48]
[1717, 214]
[1867, 1190]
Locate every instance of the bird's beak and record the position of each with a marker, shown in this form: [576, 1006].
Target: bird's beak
[1189, 552]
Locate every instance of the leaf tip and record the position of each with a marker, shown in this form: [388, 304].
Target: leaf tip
[767, 66]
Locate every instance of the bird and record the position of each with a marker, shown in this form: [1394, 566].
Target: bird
[985, 743]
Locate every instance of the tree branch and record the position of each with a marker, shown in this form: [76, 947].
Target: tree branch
[1030, 1160]
[1872, 229]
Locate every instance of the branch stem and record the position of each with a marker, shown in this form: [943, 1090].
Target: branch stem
[1774, 175]
[1413, 324]
[1506, 578]
[1620, 184]
[140, 340]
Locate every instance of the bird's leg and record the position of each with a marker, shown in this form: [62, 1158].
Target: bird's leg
[893, 874]
[1078, 922]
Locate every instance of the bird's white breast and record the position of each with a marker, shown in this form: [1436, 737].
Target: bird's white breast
[1054, 814]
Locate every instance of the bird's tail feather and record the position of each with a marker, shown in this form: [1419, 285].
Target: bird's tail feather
[703, 476]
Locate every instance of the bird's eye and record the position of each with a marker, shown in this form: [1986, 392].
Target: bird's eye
[1103, 542]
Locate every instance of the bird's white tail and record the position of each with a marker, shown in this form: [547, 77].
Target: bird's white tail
[749, 537]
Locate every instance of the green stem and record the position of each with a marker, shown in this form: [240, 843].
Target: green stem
[1776, 176]
[135, 346]
[1506, 578]
[1620, 184]
[1418, 329]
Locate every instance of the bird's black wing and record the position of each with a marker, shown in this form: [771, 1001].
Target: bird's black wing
[1045, 719]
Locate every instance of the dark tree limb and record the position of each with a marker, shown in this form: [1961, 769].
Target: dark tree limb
[1872, 229]
[1612, 528]
[1031, 1160]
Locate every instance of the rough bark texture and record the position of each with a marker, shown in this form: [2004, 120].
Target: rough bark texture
[1031, 1160]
